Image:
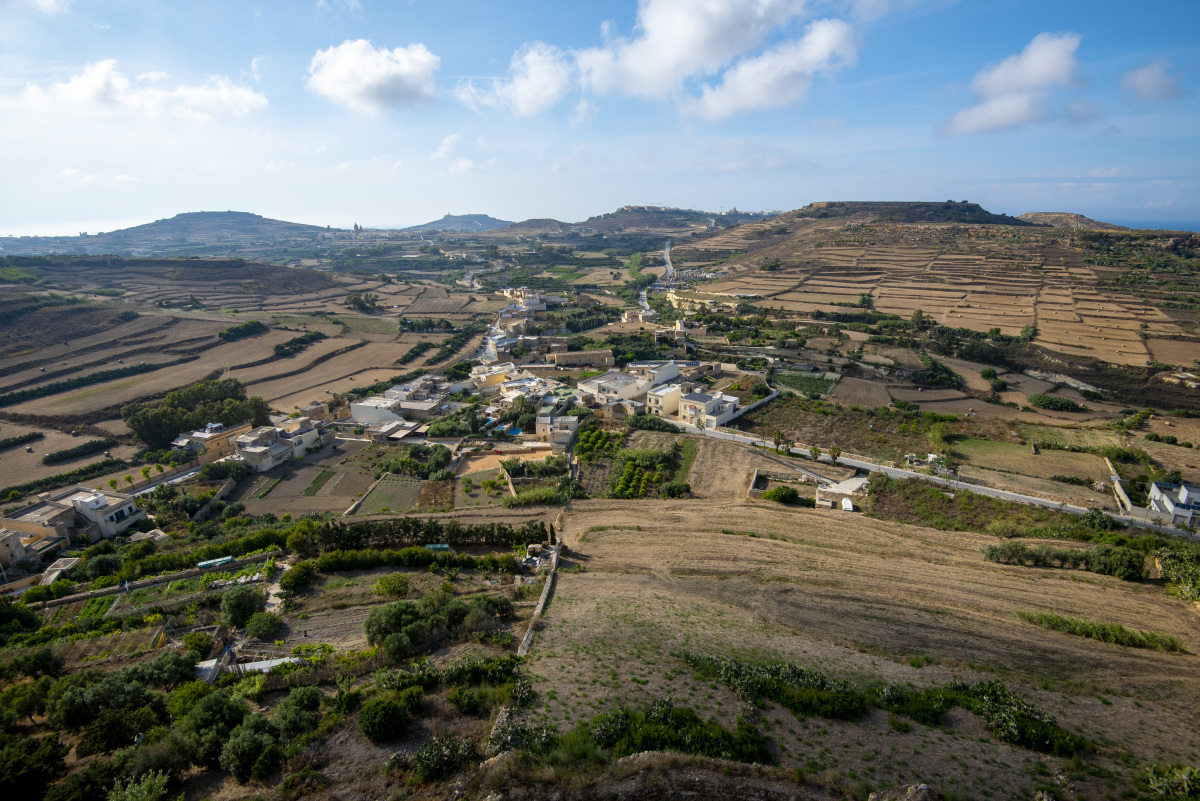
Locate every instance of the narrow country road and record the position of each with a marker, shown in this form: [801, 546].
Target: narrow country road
[954, 484]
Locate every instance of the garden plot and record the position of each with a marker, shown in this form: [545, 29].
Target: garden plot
[391, 495]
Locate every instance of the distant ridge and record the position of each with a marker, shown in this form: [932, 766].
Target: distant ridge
[462, 223]
[182, 234]
[911, 212]
[1063, 219]
[641, 219]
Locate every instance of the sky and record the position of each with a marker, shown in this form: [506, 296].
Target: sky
[394, 112]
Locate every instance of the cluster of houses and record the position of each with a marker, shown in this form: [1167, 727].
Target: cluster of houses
[55, 518]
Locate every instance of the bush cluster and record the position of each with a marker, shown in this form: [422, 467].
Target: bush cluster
[337, 561]
[244, 330]
[402, 531]
[83, 449]
[1105, 632]
[384, 719]
[1124, 563]
[404, 628]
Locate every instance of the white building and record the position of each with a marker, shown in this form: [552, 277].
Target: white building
[1180, 501]
[708, 411]
[375, 409]
[664, 401]
[270, 446]
[656, 372]
[613, 385]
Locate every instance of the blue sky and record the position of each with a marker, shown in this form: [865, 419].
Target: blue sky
[117, 112]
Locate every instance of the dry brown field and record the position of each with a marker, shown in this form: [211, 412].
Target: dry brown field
[855, 598]
[860, 392]
[374, 357]
[19, 467]
[1174, 351]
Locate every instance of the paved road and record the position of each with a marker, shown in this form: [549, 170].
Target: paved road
[669, 273]
[954, 484]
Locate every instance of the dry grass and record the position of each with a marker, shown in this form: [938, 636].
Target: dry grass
[855, 598]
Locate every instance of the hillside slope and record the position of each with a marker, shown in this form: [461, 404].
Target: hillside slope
[1063, 219]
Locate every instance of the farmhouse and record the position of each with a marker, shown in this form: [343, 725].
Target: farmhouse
[215, 442]
[707, 411]
[639, 316]
[1180, 501]
[11, 548]
[55, 518]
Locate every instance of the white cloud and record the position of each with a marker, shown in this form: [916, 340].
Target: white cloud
[680, 39]
[541, 75]
[101, 85]
[1014, 92]
[780, 76]
[369, 79]
[1151, 83]
[346, 5]
[446, 146]
[51, 6]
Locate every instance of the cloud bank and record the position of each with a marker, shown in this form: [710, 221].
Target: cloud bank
[365, 78]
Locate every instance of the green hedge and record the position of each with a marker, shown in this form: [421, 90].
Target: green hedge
[63, 479]
[85, 449]
[23, 439]
[247, 329]
[22, 395]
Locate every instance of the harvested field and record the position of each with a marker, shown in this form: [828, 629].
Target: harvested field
[721, 469]
[393, 494]
[920, 395]
[856, 599]
[1012, 458]
[1174, 351]
[859, 392]
[122, 391]
[374, 356]
[19, 467]
[1086, 497]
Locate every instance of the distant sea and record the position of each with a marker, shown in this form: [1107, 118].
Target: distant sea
[1162, 225]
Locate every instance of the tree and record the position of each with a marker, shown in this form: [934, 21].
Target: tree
[150, 787]
[129, 479]
[209, 723]
[815, 453]
[252, 750]
[263, 625]
[159, 468]
[835, 452]
[112, 482]
[239, 604]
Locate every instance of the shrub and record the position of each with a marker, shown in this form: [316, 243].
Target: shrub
[199, 642]
[441, 755]
[28, 764]
[252, 750]
[1105, 632]
[185, 697]
[244, 330]
[651, 422]
[150, 787]
[298, 577]
[384, 718]
[394, 585]
[239, 604]
[84, 449]
[675, 489]
[209, 723]
[263, 625]
[299, 712]
[1054, 403]
[783, 494]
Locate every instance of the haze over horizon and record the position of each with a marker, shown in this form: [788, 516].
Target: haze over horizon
[333, 112]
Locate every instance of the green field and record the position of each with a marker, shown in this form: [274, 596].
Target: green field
[391, 494]
[804, 382]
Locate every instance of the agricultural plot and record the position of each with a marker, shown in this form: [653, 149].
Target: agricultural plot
[392, 495]
[19, 467]
[860, 392]
[464, 498]
[368, 364]
[856, 599]
[1012, 458]
[1177, 352]
[808, 383]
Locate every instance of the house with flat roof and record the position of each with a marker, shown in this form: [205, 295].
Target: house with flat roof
[55, 518]
[213, 443]
[664, 400]
[560, 432]
[270, 446]
[613, 385]
[707, 411]
[1180, 501]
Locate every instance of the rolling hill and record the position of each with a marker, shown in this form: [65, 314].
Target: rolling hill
[462, 223]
